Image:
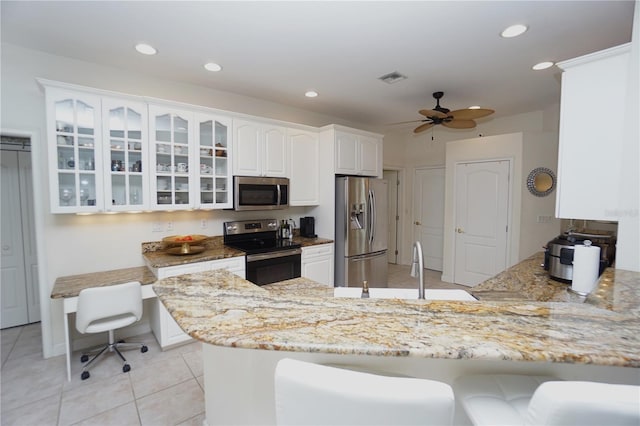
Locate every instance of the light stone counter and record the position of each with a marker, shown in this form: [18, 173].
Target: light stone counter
[301, 316]
[248, 329]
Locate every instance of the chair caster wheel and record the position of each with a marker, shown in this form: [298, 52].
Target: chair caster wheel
[85, 375]
[84, 358]
[126, 368]
[144, 349]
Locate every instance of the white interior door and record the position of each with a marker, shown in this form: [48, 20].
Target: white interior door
[14, 292]
[428, 204]
[391, 176]
[482, 212]
[29, 248]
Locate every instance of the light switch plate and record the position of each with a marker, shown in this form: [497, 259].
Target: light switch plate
[169, 226]
[156, 227]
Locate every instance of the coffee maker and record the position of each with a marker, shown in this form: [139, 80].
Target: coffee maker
[308, 227]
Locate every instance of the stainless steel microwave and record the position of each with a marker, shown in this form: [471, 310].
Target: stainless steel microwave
[260, 193]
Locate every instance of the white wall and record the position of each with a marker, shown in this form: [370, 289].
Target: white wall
[70, 244]
[539, 149]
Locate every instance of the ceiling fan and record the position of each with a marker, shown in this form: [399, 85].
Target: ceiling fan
[458, 119]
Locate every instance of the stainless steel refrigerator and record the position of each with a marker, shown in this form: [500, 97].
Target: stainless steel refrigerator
[361, 232]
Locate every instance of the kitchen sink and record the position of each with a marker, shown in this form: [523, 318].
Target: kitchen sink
[404, 293]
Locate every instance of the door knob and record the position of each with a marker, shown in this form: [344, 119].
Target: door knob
[417, 223]
[460, 230]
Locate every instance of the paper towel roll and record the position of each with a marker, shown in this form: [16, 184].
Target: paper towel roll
[586, 267]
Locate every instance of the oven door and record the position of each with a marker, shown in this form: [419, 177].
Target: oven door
[267, 268]
[260, 193]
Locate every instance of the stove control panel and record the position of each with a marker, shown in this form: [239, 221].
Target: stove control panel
[249, 226]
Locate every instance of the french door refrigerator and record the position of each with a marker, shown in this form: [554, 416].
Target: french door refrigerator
[361, 232]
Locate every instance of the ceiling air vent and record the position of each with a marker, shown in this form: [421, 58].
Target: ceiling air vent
[393, 77]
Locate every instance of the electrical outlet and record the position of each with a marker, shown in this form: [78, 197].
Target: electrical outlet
[156, 227]
[544, 219]
[203, 223]
[169, 226]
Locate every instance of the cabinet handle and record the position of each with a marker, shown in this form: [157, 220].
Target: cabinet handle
[417, 223]
[460, 230]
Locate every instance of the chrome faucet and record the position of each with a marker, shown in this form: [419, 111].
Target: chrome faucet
[417, 268]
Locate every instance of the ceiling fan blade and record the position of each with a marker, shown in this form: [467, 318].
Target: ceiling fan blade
[421, 128]
[460, 124]
[470, 114]
[405, 122]
[432, 113]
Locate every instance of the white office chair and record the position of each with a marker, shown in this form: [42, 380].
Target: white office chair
[108, 308]
[511, 399]
[312, 394]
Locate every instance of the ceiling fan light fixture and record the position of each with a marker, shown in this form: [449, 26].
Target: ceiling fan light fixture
[514, 31]
[146, 49]
[311, 94]
[474, 107]
[542, 66]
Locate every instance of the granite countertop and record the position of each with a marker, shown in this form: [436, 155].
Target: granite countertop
[155, 256]
[300, 315]
[528, 281]
[71, 286]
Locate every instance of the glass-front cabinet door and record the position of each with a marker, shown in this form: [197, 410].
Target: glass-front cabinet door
[213, 170]
[75, 160]
[171, 175]
[126, 155]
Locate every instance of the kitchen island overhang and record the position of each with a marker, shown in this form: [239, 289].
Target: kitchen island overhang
[247, 329]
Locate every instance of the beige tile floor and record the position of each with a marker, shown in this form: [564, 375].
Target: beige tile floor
[162, 388]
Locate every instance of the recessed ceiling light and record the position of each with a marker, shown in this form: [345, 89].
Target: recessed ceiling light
[146, 49]
[542, 66]
[212, 66]
[513, 31]
[474, 107]
[311, 94]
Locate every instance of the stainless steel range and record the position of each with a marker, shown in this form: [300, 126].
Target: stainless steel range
[269, 259]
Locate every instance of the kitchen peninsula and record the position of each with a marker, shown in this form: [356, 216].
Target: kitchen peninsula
[247, 329]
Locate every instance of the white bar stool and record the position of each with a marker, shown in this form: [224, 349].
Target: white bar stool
[511, 399]
[313, 394]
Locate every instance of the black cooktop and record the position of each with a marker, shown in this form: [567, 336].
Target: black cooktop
[262, 245]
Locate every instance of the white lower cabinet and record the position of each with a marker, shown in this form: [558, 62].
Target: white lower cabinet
[317, 263]
[164, 327]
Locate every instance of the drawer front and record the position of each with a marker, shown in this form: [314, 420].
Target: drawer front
[231, 264]
[320, 250]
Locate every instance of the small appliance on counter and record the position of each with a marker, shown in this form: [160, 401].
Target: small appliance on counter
[308, 227]
[559, 253]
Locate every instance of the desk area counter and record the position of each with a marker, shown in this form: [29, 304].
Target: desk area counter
[298, 315]
[70, 286]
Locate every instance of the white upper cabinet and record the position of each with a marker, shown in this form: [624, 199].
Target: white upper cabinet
[213, 171]
[358, 154]
[589, 154]
[304, 168]
[125, 150]
[172, 159]
[75, 154]
[260, 149]
[370, 156]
